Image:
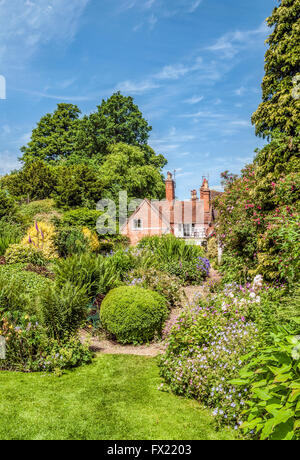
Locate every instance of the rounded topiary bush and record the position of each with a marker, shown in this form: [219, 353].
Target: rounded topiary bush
[133, 314]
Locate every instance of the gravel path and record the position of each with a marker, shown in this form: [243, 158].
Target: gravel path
[107, 346]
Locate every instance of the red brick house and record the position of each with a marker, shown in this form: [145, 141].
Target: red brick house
[192, 219]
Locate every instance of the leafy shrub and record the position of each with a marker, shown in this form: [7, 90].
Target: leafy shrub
[278, 248]
[192, 271]
[133, 314]
[28, 349]
[166, 285]
[20, 289]
[24, 339]
[273, 378]
[41, 236]
[106, 247]
[19, 254]
[7, 204]
[64, 309]
[122, 261]
[77, 185]
[36, 209]
[69, 241]
[81, 217]
[92, 238]
[10, 233]
[212, 250]
[36, 180]
[168, 248]
[95, 274]
[178, 258]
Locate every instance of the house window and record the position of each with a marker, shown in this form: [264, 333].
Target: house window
[137, 224]
[186, 230]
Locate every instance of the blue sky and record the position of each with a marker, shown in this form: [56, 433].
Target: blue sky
[194, 68]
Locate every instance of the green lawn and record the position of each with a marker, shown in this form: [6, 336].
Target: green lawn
[115, 398]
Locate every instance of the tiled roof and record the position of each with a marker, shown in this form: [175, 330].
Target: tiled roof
[184, 211]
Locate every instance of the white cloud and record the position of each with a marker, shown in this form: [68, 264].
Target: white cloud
[240, 91]
[27, 24]
[172, 72]
[8, 161]
[194, 100]
[194, 6]
[241, 123]
[201, 114]
[136, 88]
[169, 72]
[230, 44]
[149, 4]
[59, 97]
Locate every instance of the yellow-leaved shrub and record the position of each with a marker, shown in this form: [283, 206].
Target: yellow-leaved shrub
[92, 239]
[41, 235]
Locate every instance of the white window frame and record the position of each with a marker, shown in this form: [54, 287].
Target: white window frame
[135, 227]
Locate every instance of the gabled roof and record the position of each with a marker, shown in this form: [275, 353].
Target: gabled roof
[152, 205]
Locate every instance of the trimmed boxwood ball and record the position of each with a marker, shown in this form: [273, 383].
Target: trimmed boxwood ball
[133, 314]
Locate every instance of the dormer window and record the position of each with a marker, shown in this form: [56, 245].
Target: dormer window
[137, 224]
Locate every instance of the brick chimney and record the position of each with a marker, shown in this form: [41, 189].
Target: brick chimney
[170, 188]
[194, 200]
[194, 195]
[205, 195]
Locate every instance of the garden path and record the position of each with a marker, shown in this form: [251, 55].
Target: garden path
[106, 346]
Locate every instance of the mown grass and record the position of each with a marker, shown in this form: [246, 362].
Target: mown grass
[115, 398]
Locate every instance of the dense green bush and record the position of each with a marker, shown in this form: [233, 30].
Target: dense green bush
[7, 204]
[166, 285]
[20, 289]
[133, 314]
[19, 254]
[35, 181]
[123, 261]
[168, 248]
[38, 210]
[10, 233]
[29, 349]
[64, 309]
[273, 379]
[176, 257]
[69, 241]
[189, 271]
[78, 185]
[95, 274]
[81, 217]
